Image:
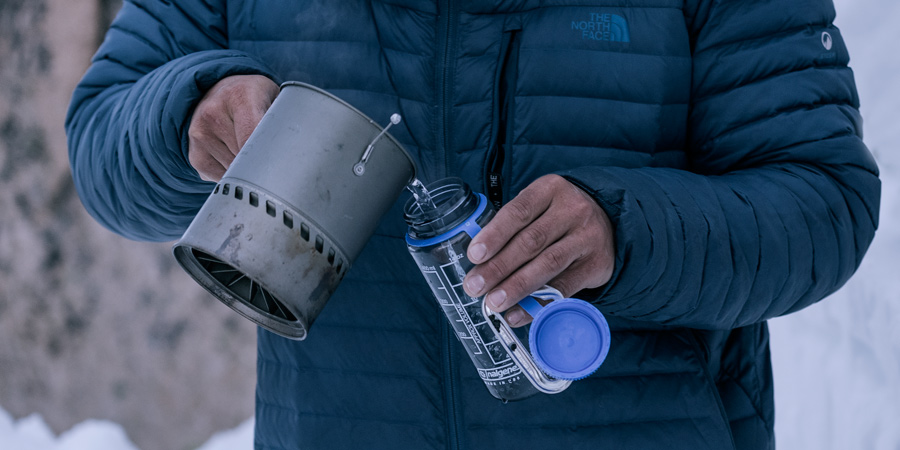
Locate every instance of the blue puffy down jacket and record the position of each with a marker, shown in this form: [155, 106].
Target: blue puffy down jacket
[722, 137]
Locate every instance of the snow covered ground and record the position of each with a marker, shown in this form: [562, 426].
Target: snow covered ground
[837, 363]
[31, 433]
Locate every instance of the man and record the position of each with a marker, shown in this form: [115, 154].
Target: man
[693, 168]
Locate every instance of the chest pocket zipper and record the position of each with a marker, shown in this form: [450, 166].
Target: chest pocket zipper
[504, 106]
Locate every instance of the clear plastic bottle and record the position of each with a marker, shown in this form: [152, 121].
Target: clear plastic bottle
[439, 233]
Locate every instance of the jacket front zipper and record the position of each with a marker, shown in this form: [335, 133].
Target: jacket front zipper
[450, 387]
[447, 31]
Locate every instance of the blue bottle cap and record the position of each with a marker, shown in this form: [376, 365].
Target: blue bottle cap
[569, 338]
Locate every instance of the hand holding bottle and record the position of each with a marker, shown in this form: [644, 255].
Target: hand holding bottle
[552, 233]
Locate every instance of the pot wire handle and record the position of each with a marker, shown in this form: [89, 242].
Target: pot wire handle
[360, 168]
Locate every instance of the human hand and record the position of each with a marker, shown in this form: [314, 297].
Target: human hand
[224, 119]
[552, 233]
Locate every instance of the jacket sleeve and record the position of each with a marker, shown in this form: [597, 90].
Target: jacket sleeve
[781, 201]
[128, 119]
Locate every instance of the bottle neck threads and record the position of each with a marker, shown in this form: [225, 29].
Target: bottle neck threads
[453, 202]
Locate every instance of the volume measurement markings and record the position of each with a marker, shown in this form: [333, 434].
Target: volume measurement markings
[454, 275]
[446, 283]
[448, 297]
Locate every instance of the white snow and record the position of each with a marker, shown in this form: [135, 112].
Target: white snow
[240, 438]
[837, 363]
[32, 433]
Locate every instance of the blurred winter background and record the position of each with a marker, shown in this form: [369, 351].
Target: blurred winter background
[106, 345]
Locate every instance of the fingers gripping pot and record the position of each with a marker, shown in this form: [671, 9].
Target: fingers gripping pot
[294, 209]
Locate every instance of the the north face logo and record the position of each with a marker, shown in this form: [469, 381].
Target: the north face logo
[603, 27]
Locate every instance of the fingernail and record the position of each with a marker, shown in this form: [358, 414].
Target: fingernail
[474, 284]
[496, 298]
[514, 317]
[476, 252]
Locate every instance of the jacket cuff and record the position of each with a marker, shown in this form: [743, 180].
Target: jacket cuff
[195, 74]
[611, 200]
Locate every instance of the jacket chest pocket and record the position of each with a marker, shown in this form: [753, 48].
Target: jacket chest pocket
[576, 86]
[502, 133]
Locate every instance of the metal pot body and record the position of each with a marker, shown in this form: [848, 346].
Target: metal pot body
[290, 215]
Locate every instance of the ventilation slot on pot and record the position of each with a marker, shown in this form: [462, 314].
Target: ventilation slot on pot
[304, 231]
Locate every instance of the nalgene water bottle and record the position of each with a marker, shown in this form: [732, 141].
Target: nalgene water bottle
[442, 222]
[441, 225]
